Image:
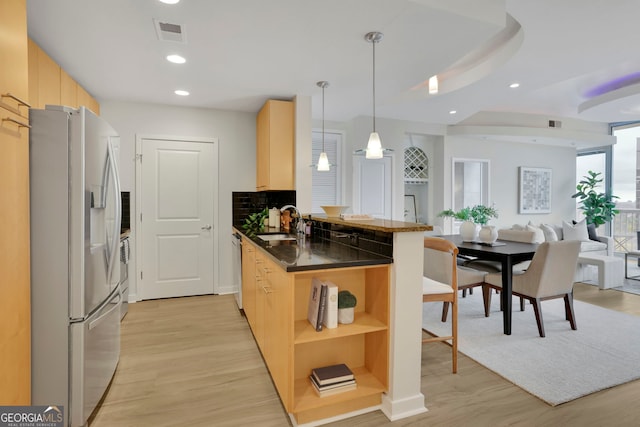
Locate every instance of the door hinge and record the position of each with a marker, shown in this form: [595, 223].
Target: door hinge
[140, 216]
[139, 157]
[141, 275]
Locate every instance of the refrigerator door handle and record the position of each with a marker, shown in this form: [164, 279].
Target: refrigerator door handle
[116, 306]
[115, 243]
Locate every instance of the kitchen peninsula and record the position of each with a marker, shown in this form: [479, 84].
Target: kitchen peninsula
[380, 261]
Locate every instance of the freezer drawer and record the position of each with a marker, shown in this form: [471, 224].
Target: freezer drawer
[95, 351]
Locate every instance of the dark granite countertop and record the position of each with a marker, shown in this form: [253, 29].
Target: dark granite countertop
[316, 254]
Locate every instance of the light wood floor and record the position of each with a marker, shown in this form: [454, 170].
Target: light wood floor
[193, 362]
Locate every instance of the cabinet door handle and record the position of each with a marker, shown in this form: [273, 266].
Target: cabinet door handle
[20, 102]
[267, 290]
[206, 227]
[18, 122]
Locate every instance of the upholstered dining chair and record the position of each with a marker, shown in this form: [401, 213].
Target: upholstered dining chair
[550, 275]
[468, 278]
[440, 283]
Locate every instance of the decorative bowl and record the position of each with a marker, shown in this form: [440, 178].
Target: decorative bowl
[334, 210]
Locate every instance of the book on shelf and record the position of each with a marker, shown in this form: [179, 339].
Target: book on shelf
[330, 318]
[332, 374]
[331, 386]
[317, 303]
[328, 390]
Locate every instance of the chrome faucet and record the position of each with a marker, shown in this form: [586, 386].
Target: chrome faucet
[300, 224]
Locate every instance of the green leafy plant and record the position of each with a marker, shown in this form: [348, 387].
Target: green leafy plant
[254, 223]
[346, 299]
[479, 214]
[598, 208]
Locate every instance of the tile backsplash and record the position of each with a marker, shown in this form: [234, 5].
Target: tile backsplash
[247, 202]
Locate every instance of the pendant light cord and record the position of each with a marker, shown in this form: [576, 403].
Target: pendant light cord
[374, 84]
[323, 118]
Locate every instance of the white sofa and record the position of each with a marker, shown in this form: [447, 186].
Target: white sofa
[602, 246]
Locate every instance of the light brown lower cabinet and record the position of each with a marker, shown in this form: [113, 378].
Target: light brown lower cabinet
[291, 347]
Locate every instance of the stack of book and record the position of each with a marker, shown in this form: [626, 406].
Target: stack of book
[332, 379]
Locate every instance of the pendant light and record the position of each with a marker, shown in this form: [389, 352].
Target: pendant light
[374, 148]
[323, 160]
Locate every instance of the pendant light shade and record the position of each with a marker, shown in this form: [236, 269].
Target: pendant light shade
[323, 161]
[374, 148]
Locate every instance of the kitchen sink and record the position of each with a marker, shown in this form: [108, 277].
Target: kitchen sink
[279, 236]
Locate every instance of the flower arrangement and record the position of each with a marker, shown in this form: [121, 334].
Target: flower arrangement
[479, 214]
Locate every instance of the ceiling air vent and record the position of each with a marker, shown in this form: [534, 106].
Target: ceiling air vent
[169, 32]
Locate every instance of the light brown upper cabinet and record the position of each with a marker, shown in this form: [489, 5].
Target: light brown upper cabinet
[15, 301]
[86, 100]
[50, 84]
[68, 90]
[275, 148]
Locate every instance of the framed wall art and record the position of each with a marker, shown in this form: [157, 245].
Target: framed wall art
[535, 190]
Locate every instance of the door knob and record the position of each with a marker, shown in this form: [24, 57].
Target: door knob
[206, 227]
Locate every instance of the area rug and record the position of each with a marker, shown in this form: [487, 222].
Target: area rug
[603, 352]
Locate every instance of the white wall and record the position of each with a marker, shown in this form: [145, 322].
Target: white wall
[505, 158]
[236, 133]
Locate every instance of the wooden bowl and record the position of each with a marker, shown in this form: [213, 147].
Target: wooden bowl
[334, 210]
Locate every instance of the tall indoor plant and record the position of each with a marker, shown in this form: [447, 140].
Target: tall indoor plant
[598, 208]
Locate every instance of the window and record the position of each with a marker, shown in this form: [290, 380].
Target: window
[326, 186]
[626, 185]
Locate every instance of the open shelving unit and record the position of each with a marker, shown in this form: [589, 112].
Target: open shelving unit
[276, 309]
[362, 345]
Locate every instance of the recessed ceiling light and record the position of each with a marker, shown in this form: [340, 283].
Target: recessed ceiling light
[452, 112]
[176, 59]
[181, 92]
[514, 85]
[170, 1]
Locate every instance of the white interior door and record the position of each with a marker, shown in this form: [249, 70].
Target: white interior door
[372, 186]
[177, 218]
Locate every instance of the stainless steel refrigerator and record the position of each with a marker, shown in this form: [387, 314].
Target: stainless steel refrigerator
[75, 264]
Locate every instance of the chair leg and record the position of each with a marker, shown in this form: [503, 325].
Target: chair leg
[486, 297]
[521, 304]
[454, 335]
[470, 291]
[568, 309]
[538, 312]
[464, 293]
[445, 310]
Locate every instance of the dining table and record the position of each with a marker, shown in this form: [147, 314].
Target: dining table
[508, 253]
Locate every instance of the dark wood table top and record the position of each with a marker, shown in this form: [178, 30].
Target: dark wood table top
[502, 250]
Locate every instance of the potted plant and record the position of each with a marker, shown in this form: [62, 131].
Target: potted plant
[346, 303]
[598, 208]
[472, 217]
[254, 223]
